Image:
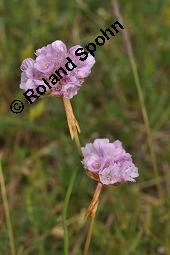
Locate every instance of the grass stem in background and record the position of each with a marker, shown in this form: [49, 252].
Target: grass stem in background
[128, 47]
[65, 209]
[7, 212]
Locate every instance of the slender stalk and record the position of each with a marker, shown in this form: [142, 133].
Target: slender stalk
[91, 213]
[128, 47]
[89, 236]
[65, 209]
[74, 130]
[7, 212]
[77, 142]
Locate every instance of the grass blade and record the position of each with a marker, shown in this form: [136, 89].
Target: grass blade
[7, 212]
[65, 209]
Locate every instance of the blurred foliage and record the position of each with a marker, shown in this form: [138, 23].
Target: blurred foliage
[38, 155]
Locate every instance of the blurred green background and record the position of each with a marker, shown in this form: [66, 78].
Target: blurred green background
[38, 154]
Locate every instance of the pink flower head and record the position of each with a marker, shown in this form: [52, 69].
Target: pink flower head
[109, 161]
[50, 59]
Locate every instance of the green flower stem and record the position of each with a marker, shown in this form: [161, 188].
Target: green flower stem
[65, 209]
[74, 129]
[67, 199]
[77, 142]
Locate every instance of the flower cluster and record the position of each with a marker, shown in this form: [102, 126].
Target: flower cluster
[109, 162]
[51, 58]
[105, 162]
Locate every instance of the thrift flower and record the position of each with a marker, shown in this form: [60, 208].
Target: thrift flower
[49, 59]
[108, 162]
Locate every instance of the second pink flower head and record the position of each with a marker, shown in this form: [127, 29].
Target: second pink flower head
[109, 162]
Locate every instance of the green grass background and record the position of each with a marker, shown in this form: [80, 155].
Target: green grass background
[38, 155]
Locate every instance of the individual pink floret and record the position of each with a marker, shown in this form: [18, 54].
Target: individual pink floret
[109, 161]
